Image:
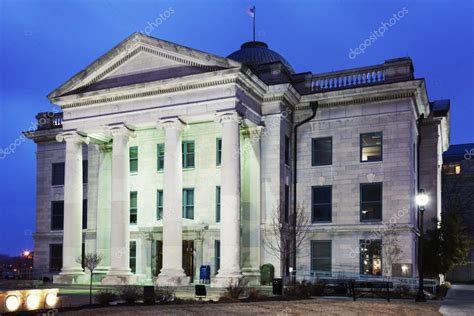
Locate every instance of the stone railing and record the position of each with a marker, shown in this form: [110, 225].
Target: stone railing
[49, 120]
[392, 70]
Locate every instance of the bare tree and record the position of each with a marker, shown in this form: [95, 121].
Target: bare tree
[90, 261]
[391, 251]
[282, 234]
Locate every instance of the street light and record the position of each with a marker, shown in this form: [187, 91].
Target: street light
[421, 201]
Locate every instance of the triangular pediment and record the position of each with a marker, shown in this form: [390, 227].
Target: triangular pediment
[141, 59]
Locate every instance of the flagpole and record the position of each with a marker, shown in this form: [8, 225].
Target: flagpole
[254, 16]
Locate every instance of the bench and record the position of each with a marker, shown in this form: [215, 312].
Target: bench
[374, 287]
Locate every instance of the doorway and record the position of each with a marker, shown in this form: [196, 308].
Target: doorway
[188, 257]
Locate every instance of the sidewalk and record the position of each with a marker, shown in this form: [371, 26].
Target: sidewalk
[459, 301]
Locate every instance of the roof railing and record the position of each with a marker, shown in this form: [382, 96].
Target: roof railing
[49, 120]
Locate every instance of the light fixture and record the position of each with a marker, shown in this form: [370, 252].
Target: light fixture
[421, 198]
[33, 301]
[12, 303]
[51, 299]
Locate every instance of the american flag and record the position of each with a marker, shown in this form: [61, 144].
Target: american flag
[251, 11]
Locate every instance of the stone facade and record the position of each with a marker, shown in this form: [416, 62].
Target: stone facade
[147, 92]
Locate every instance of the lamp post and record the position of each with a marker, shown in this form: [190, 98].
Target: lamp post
[421, 201]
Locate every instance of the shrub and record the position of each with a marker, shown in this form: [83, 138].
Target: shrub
[165, 294]
[446, 285]
[317, 289]
[235, 288]
[255, 294]
[104, 297]
[130, 293]
[299, 290]
[403, 290]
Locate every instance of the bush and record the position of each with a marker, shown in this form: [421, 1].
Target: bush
[130, 293]
[254, 294]
[235, 288]
[104, 297]
[317, 289]
[403, 291]
[165, 294]
[299, 290]
[446, 285]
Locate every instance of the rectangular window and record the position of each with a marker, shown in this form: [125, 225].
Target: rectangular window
[58, 173]
[188, 203]
[218, 204]
[371, 202]
[55, 257]
[321, 203]
[188, 154]
[160, 154]
[133, 208]
[371, 147]
[134, 159]
[321, 253]
[84, 214]
[85, 171]
[287, 150]
[321, 151]
[287, 203]
[217, 257]
[371, 257]
[218, 151]
[133, 256]
[57, 215]
[159, 204]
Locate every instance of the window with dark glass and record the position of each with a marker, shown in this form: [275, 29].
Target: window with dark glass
[371, 257]
[55, 257]
[321, 151]
[188, 203]
[57, 215]
[217, 257]
[453, 168]
[133, 256]
[58, 173]
[321, 254]
[287, 150]
[287, 203]
[218, 151]
[188, 154]
[321, 204]
[133, 207]
[371, 147]
[134, 159]
[218, 204]
[159, 204]
[160, 154]
[84, 214]
[85, 166]
[371, 202]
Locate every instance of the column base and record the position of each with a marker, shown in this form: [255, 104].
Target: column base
[71, 278]
[226, 280]
[252, 275]
[119, 277]
[169, 280]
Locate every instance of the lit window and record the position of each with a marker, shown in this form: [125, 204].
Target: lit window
[371, 147]
[371, 257]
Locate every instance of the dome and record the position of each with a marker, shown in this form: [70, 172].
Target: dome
[255, 53]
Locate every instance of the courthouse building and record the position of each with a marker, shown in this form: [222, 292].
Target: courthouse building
[165, 158]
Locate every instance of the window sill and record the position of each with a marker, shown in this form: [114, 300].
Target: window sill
[321, 222]
[371, 162]
[188, 169]
[55, 186]
[134, 173]
[325, 165]
[375, 221]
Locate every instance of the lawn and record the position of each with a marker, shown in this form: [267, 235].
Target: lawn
[304, 307]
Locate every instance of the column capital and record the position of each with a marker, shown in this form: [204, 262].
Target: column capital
[171, 122]
[73, 137]
[228, 116]
[121, 130]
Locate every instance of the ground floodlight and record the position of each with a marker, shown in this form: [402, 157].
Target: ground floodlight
[12, 303]
[51, 299]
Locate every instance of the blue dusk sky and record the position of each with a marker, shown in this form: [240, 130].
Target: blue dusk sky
[44, 43]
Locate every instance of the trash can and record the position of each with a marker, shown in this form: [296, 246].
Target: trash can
[205, 274]
[267, 272]
[277, 285]
[149, 294]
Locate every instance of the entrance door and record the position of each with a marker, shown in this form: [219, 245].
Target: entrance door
[159, 257]
[188, 258]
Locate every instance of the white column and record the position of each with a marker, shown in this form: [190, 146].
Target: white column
[120, 272]
[172, 272]
[72, 234]
[230, 199]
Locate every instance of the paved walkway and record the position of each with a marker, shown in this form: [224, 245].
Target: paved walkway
[459, 301]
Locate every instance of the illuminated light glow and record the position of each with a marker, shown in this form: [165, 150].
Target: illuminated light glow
[404, 268]
[422, 198]
[12, 303]
[26, 253]
[51, 299]
[33, 301]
